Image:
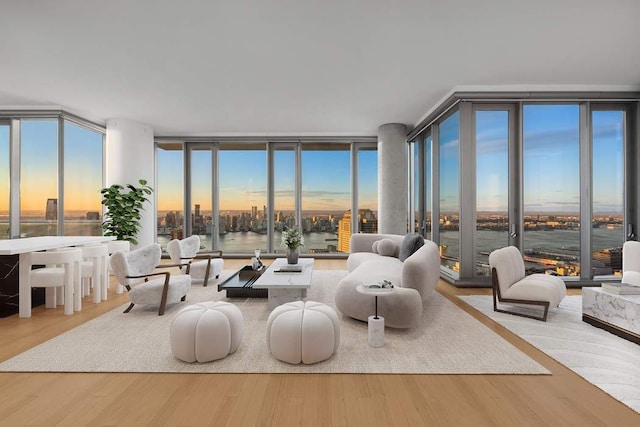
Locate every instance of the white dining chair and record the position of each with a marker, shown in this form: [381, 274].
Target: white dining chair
[94, 271]
[60, 271]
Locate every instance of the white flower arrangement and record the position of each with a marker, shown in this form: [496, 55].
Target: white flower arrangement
[292, 238]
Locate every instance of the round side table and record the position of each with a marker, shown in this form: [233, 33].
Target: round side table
[375, 322]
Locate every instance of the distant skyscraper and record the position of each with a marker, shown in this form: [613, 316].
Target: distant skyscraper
[344, 232]
[93, 216]
[51, 211]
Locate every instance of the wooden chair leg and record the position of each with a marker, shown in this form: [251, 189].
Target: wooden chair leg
[206, 273]
[165, 291]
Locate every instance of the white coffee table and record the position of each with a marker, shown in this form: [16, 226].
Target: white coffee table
[285, 287]
[375, 322]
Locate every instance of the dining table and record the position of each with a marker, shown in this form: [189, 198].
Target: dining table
[15, 265]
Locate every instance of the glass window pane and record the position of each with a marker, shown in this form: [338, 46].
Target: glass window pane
[4, 180]
[551, 180]
[326, 194]
[607, 233]
[449, 221]
[492, 185]
[284, 188]
[415, 147]
[82, 181]
[243, 197]
[367, 192]
[201, 195]
[169, 191]
[427, 186]
[38, 177]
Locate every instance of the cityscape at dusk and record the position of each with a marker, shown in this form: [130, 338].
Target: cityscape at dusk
[550, 188]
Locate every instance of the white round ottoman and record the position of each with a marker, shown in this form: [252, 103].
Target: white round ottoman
[206, 331]
[307, 332]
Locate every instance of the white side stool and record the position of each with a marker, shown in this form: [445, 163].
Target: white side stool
[375, 322]
[206, 331]
[299, 331]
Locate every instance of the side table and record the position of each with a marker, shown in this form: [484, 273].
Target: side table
[375, 322]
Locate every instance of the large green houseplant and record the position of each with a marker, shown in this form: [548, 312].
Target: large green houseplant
[124, 204]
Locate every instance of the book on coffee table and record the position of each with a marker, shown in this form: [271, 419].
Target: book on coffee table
[621, 288]
[289, 268]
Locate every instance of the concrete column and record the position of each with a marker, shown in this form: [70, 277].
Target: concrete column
[393, 182]
[129, 158]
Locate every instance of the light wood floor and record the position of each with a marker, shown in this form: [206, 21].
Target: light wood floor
[562, 398]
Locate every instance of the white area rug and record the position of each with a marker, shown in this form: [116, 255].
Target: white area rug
[448, 341]
[605, 360]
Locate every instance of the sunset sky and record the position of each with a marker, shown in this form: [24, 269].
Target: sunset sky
[550, 161]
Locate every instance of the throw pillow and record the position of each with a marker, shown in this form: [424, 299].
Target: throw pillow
[374, 247]
[386, 247]
[410, 244]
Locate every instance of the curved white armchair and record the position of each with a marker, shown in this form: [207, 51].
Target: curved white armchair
[511, 286]
[133, 270]
[200, 267]
[631, 263]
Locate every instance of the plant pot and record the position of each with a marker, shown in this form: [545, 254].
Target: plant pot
[292, 256]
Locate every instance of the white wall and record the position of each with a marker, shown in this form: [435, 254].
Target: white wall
[129, 158]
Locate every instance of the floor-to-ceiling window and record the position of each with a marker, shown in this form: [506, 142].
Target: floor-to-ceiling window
[38, 177]
[551, 195]
[492, 185]
[416, 186]
[449, 220]
[608, 234]
[5, 132]
[242, 197]
[428, 203]
[200, 197]
[553, 176]
[326, 195]
[83, 162]
[284, 192]
[257, 189]
[169, 191]
[367, 190]
[52, 176]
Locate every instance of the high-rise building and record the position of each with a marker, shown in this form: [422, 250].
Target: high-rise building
[51, 211]
[344, 232]
[93, 216]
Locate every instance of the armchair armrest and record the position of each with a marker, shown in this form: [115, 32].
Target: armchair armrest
[165, 288]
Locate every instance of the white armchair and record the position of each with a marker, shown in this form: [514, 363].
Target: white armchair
[631, 263]
[511, 286]
[200, 267]
[133, 270]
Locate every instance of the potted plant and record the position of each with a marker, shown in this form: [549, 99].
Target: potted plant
[292, 239]
[124, 204]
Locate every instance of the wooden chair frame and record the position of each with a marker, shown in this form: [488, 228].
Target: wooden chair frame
[208, 257]
[497, 297]
[165, 289]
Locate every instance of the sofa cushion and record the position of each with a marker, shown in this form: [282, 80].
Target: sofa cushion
[386, 247]
[357, 258]
[374, 246]
[410, 244]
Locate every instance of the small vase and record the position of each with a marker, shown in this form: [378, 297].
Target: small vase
[292, 256]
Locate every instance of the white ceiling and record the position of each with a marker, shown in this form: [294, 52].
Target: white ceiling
[296, 67]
